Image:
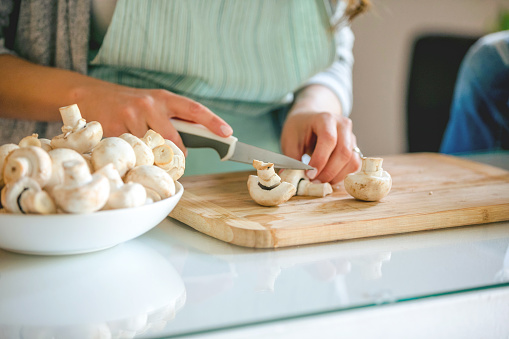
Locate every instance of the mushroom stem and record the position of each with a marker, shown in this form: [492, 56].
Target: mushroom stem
[152, 139]
[371, 164]
[71, 117]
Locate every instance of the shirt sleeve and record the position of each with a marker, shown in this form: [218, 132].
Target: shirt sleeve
[338, 77]
[6, 7]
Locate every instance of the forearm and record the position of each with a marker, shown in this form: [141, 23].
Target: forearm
[33, 92]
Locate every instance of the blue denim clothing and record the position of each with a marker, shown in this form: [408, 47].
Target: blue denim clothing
[479, 118]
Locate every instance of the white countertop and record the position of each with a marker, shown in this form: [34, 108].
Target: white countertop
[174, 281]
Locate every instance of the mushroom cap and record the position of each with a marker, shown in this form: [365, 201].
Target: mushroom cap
[81, 193]
[127, 196]
[4, 152]
[367, 187]
[154, 178]
[273, 197]
[116, 151]
[58, 157]
[144, 154]
[28, 161]
[81, 140]
[31, 140]
[45, 144]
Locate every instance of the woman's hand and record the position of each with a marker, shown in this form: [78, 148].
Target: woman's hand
[122, 109]
[316, 127]
[34, 92]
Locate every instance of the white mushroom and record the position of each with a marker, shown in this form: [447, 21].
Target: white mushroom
[58, 157]
[122, 195]
[26, 196]
[81, 192]
[143, 152]
[31, 140]
[4, 152]
[116, 151]
[177, 165]
[152, 178]
[304, 185]
[266, 188]
[45, 144]
[371, 183]
[28, 161]
[77, 134]
[152, 139]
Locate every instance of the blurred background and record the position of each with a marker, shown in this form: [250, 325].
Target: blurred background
[407, 53]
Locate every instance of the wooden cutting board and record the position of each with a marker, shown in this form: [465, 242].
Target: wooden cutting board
[429, 191]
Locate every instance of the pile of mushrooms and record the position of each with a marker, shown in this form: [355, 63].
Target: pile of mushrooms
[79, 171]
[269, 189]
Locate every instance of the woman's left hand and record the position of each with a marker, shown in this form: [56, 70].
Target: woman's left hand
[315, 126]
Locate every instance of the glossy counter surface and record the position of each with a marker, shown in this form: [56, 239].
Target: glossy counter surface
[175, 281]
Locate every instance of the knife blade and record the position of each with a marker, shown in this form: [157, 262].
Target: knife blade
[229, 148]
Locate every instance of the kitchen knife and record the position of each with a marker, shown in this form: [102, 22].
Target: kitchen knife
[198, 136]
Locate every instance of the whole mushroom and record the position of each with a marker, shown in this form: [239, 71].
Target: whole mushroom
[154, 179]
[81, 192]
[122, 195]
[30, 161]
[266, 188]
[4, 152]
[58, 157]
[177, 165]
[371, 183]
[116, 151]
[77, 134]
[26, 196]
[144, 154]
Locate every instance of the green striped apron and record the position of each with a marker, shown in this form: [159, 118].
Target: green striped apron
[241, 59]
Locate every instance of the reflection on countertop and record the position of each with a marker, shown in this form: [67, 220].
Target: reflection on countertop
[121, 292]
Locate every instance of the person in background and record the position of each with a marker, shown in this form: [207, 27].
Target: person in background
[279, 73]
[479, 118]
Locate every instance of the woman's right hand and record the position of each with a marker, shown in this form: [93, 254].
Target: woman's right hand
[122, 109]
[34, 92]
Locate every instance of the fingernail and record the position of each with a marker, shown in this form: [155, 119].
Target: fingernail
[226, 130]
[311, 174]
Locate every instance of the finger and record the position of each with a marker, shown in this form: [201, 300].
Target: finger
[190, 110]
[326, 140]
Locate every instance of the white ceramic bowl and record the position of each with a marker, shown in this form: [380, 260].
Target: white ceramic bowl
[62, 234]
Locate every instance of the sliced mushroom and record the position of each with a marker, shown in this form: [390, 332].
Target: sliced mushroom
[4, 152]
[304, 185]
[122, 195]
[266, 188]
[26, 196]
[77, 134]
[58, 157]
[153, 178]
[371, 183]
[81, 192]
[116, 151]
[144, 155]
[28, 161]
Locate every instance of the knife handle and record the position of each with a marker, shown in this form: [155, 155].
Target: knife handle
[198, 136]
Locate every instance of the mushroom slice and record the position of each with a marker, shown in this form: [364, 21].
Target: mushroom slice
[4, 152]
[154, 178]
[30, 161]
[144, 155]
[371, 183]
[116, 151]
[304, 185]
[266, 188]
[122, 195]
[26, 196]
[81, 192]
[77, 134]
[177, 165]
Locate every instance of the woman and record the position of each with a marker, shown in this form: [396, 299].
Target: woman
[250, 63]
